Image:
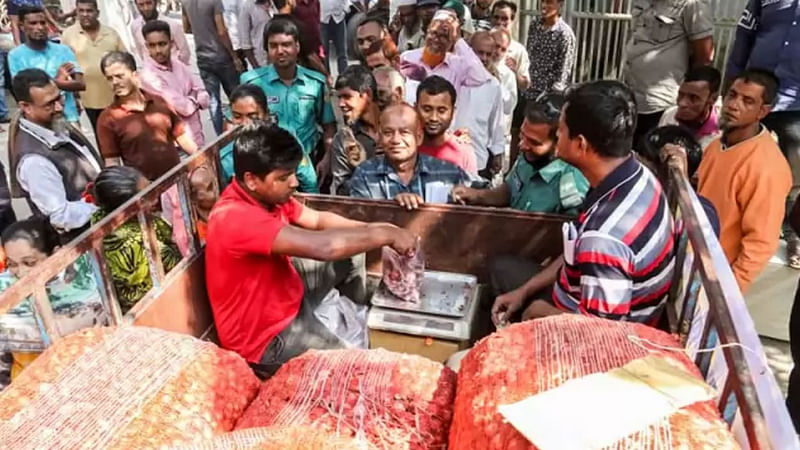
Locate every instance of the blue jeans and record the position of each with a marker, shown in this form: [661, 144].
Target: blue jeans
[3, 107]
[214, 76]
[336, 32]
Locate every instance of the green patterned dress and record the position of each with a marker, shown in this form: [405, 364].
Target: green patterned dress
[127, 260]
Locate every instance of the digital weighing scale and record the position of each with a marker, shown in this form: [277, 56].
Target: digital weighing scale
[448, 302]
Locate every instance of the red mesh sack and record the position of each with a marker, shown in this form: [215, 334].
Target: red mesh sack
[296, 438]
[535, 356]
[130, 387]
[380, 398]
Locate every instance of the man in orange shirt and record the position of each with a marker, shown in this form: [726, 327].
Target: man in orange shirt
[746, 176]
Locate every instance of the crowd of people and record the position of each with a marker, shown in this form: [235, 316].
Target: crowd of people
[443, 105]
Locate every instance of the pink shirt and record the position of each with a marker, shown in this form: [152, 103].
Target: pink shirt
[181, 89]
[461, 67]
[455, 153]
[180, 46]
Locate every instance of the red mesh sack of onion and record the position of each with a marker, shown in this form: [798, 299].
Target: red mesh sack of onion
[534, 356]
[403, 274]
[266, 438]
[124, 388]
[378, 398]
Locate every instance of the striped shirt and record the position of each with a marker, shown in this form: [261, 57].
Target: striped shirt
[433, 180]
[621, 265]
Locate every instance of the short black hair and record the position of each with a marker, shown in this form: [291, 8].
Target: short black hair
[657, 138]
[373, 16]
[546, 110]
[262, 148]
[435, 85]
[505, 4]
[251, 91]
[358, 78]
[89, 2]
[115, 57]
[763, 77]
[27, 10]
[116, 185]
[153, 26]
[281, 24]
[36, 231]
[604, 113]
[709, 74]
[26, 79]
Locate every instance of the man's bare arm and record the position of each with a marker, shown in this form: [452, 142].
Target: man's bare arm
[339, 243]
[311, 219]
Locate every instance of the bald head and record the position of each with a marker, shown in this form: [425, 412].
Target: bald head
[391, 86]
[502, 39]
[400, 133]
[483, 45]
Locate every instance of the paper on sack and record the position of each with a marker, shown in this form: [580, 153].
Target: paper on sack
[600, 409]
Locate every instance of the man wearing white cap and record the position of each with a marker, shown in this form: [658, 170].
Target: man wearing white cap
[444, 54]
[405, 27]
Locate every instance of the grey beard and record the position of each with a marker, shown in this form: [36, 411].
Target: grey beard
[59, 125]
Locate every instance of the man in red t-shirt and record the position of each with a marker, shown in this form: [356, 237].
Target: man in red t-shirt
[436, 102]
[263, 308]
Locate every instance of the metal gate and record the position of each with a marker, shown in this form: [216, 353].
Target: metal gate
[602, 29]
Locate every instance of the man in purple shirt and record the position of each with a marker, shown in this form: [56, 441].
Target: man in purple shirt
[444, 54]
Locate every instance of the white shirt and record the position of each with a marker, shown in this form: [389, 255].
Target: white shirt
[486, 128]
[519, 54]
[230, 15]
[333, 9]
[42, 181]
[508, 85]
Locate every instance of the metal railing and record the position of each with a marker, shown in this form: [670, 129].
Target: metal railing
[90, 243]
[712, 320]
[708, 311]
[602, 30]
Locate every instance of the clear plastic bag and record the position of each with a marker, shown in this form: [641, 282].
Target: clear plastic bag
[402, 274]
[344, 318]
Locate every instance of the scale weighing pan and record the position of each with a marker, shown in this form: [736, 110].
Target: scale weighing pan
[442, 293]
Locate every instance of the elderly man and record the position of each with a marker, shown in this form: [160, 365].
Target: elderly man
[667, 38]
[507, 78]
[402, 173]
[51, 162]
[148, 11]
[486, 129]
[504, 13]
[391, 86]
[444, 54]
[697, 108]
[406, 26]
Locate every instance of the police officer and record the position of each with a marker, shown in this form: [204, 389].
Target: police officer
[538, 182]
[296, 95]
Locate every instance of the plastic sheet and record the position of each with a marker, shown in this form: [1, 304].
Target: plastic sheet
[344, 319]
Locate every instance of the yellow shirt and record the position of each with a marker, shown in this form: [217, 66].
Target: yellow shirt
[89, 52]
[747, 183]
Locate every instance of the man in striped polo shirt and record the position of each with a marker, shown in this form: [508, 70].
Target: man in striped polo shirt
[618, 255]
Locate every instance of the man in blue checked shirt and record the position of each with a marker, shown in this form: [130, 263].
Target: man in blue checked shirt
[402, 173]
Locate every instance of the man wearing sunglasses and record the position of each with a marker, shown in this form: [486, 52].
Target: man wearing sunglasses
[538, 182]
